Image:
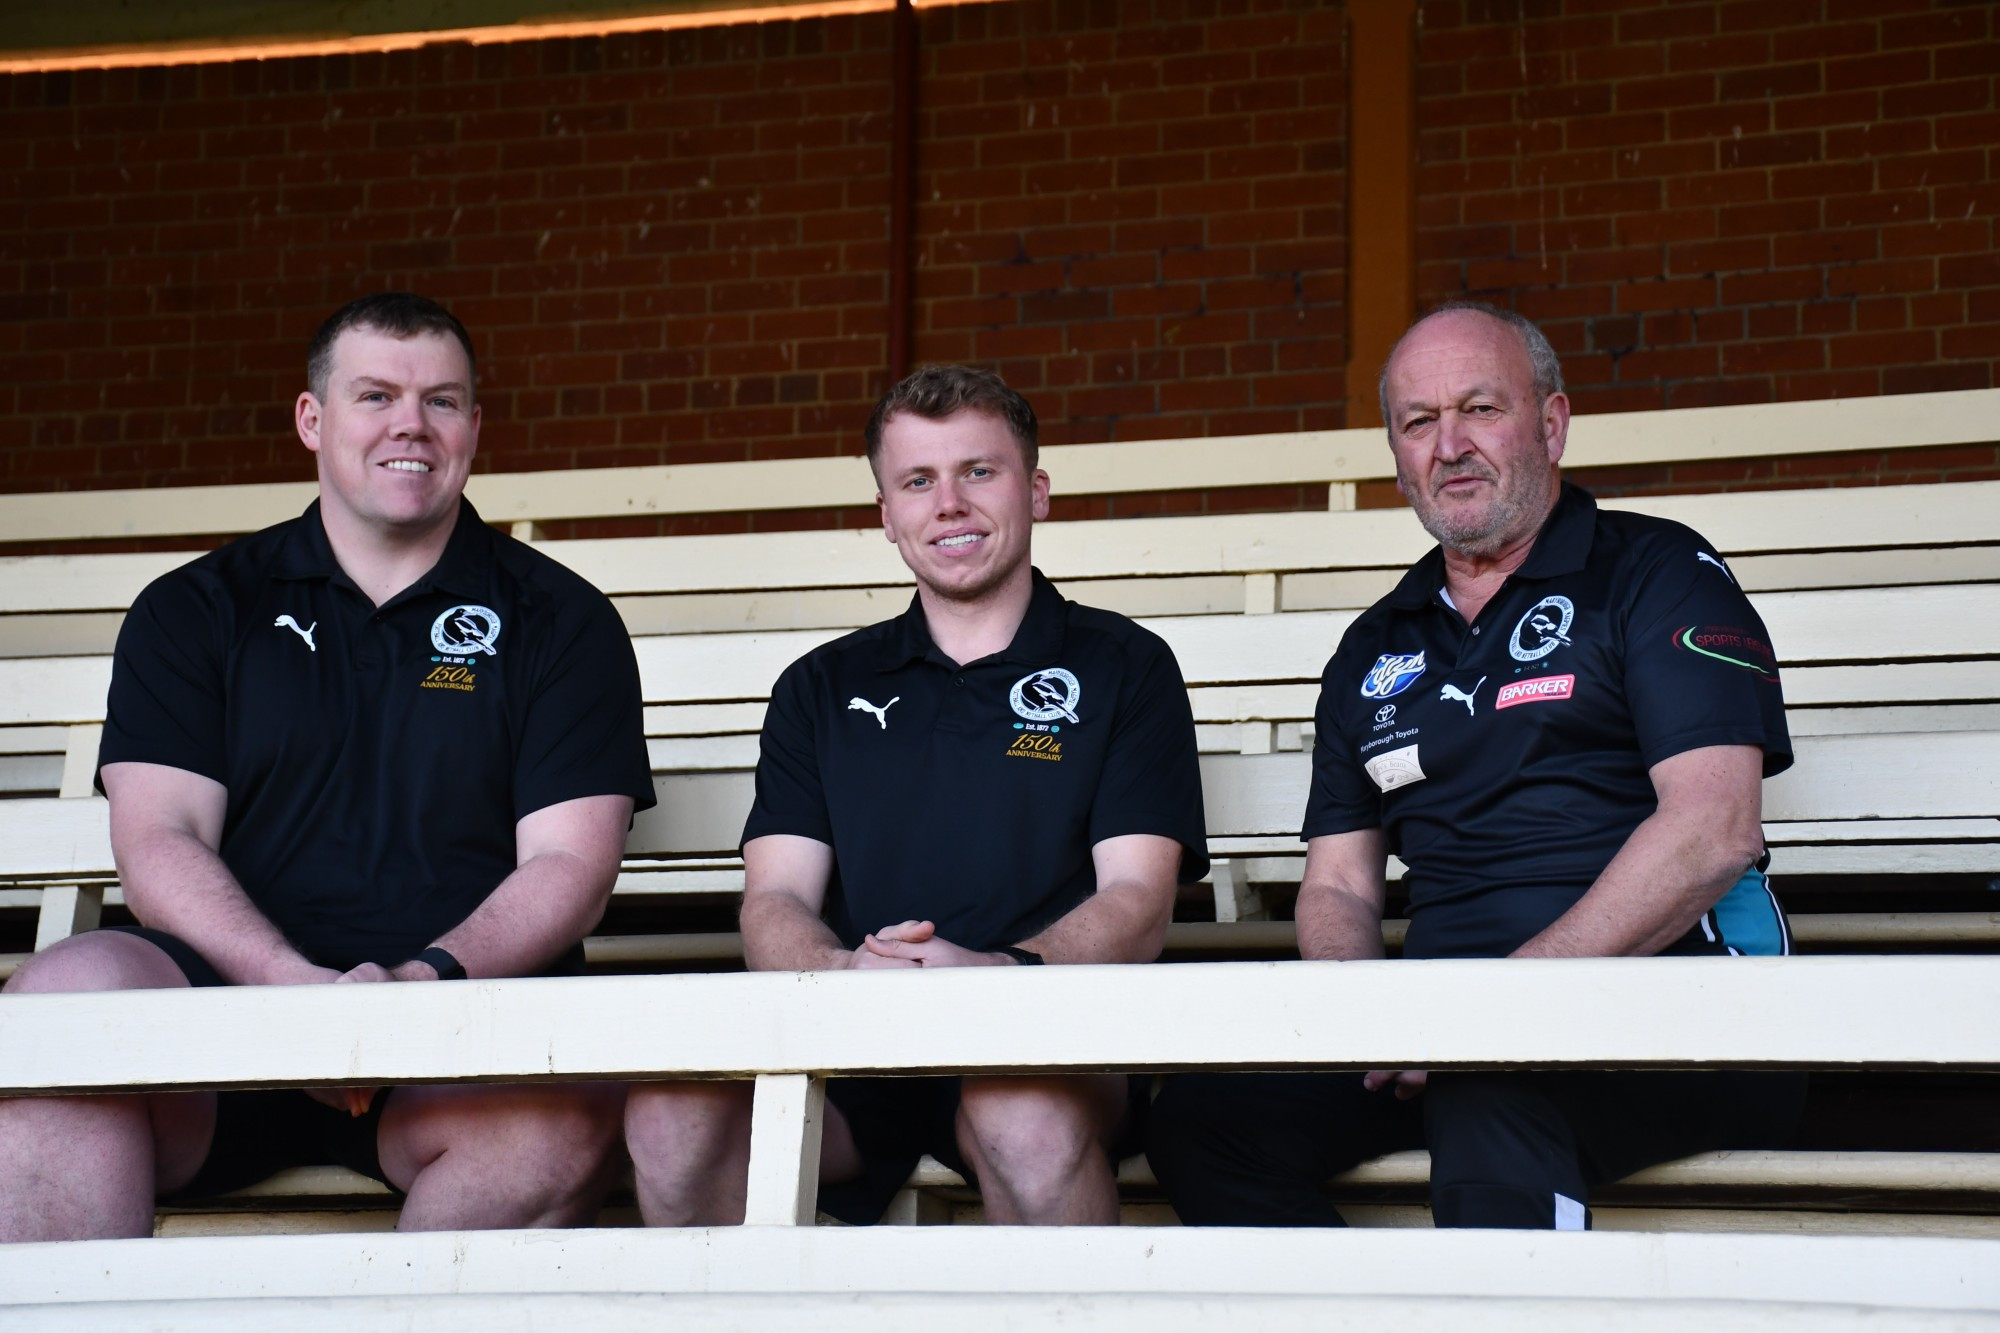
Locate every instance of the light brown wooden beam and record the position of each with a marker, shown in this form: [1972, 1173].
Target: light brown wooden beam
[102, 34]
[1381, 192]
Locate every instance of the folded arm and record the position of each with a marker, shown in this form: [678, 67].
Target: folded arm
[1125, 921]
[1707, 830]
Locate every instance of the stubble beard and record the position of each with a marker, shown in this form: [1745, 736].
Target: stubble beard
[1520, 500]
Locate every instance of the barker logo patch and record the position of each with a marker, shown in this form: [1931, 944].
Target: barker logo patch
[1543, 629]
[1727, 644]
[464, 631]
[1392, 674]
[1047, 695]
[1542, 689]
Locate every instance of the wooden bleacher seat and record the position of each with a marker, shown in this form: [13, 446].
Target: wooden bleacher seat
[1818, 1013]
[1883, 602]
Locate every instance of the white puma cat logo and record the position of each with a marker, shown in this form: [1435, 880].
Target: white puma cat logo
[1703, 555]
[1453, 692]
[881, 714]
[293, 626]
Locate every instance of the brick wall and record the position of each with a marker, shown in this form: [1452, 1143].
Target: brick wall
[673, 248]
[1724, 201]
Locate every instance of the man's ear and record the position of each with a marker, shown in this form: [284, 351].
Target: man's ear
[305, 416]
[1038, 490]
[1555, 425]
[888, 528]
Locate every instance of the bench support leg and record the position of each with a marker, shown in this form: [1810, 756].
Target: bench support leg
[1235, 900]
[67, 909]
[784, 1150]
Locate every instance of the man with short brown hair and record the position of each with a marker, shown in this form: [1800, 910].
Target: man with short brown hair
[997, 777]
[378, 743]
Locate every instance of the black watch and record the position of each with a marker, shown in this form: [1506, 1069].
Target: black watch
[1025, 957]
[441, 961]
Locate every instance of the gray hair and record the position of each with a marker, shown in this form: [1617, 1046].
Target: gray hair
[1541, 356]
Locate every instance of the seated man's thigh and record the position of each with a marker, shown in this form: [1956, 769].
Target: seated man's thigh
[1528, 1149]
[182, 1123]
[1258, 1149]
[1628, 1121]
[539, 1135]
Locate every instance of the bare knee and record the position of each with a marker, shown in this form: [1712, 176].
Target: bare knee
[98, 961]
[690, 1146]
[516, 1155]
[1024, 1130]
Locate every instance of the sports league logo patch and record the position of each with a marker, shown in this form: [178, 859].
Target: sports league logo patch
[1392, 674]
[1730, 646]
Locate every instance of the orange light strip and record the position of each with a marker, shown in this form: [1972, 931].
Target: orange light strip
[209, 52]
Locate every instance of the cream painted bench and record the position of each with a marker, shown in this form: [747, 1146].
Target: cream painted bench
[1885, 602]
[1252, 605]
[790, 1031]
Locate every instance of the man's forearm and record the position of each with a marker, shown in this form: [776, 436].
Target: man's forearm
[1670, 871]
[782, 934]
[1120, 923]
[175, 882]
[1336, 924]
[546, 906]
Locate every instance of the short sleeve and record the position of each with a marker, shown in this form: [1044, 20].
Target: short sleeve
[584, 730]
[791, 797]
[1700, 668]
[1151, 780]
[1342, 798]
[166, 704]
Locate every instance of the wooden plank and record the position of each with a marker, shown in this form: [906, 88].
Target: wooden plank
[1818, 1012]
[30, 773]
[1769, 430]
[1638, 1270]
[669, 578]
[1888, 776]
[36, 691]
[1903, 682]
[785, 1119]
[1867, 569]
[926, 1312]
[64, 634]
[1893, 717]
[79, 769]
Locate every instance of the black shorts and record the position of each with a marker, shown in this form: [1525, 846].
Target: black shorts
[895, 1121]
[262, 1132]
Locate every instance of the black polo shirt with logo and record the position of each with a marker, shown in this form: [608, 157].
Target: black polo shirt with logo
[377, 760]
[971, 795]
[1508, 760]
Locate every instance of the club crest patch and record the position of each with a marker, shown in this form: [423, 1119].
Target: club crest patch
[464, 631]
[1543, 629]
[1044, 696]
[1392, 674]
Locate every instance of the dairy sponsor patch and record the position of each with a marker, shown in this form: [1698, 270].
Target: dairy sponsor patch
[1397, 768]
[1542, 689]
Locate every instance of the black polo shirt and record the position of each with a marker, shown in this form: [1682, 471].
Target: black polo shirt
[377, 760]
[972, 795]
[1507, 760]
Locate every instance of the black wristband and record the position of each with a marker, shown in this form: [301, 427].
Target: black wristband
[1025, 957]
[441, 961]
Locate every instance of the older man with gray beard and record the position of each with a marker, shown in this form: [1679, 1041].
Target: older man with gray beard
[1560, 720]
